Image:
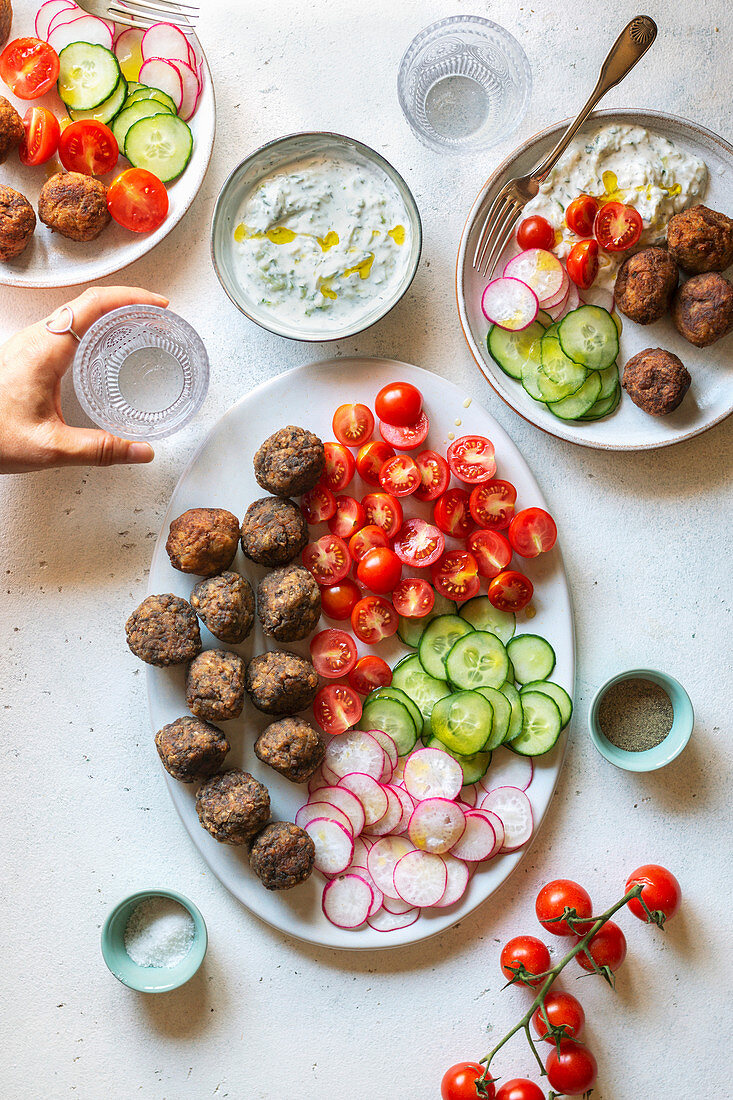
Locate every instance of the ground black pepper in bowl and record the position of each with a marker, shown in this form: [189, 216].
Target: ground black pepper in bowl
[635, 715]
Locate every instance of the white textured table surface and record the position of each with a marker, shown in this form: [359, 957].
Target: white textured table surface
[86, 817]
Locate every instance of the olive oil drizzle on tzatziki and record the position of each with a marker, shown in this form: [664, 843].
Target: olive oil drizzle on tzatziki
[321, 241]
[625, 164]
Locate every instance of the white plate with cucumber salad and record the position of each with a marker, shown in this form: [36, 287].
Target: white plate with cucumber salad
[510, 679]
[562, 371]
[156, 96]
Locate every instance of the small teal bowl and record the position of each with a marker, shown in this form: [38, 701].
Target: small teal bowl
[649, 760]
[150, 979]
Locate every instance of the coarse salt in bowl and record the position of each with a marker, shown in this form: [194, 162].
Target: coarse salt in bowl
[151, 947]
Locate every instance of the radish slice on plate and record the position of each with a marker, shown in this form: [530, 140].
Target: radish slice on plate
[510, 304]
[508, 769]
[469, 795]
[317, 780]
[478, 841]
[163, 75]
[498, 826]
[355, 752]
[396, 905]
[561, 294]
[84, 29]
[391, 820]
[46, 13]
[165, 40]
[344, 800]
[420, 878]
[370, 793]
[408, 805]
[515, 811]
[384, 921]
[313, 810]
[432, 773]
[387, 744]
[190, 83]
[361, 852]
[540, 270]
[347, 901]
[65, 15]
[573, 298]
[334, 845]
[383, 858]
[458, 878]
[128, 46]
[560, 309]
[436, 825]
[378, 896]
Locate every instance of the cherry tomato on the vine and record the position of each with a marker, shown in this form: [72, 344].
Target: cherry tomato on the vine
[383, 510]
[562, 1010]
[368, 673]
[399, 403]
[41, 138]
[581, 214]
[532, 532]
[455, 575]
[333, 653]
[520, 1089]
[374, 618]
[617, 227]
[573, 1070]
[452, 513]
[379, 570]
[510, 591]
[318, 504]
[662, 892]
[338, 600]
[528, 952]
[582, 263]
[471, 458]
[405, 437]
[413, 597]
[557, 896]
[365, 540]
[327, 559]
[492, 504]
[606, 948]
[353, 424]
[336, 708]
[535, 232]
[370, 459]
[418, 543]
[434, 475]
[459, 1083]
[491, 550]
[348, 518]
[340, 467]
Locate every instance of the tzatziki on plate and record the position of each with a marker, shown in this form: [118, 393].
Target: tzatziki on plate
[627, 164]
[320, 242]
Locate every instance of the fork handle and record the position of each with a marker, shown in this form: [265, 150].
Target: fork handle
[630, 46]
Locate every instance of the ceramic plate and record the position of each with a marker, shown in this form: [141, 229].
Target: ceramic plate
[52, 260]
[221, 475]
[710, 397]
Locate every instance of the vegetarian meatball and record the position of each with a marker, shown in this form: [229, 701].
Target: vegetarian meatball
[656, 380]
[163, 631]
[203, 541]
[645, 285]
[703, 309]
[74, 205]
[701, 239]
[273, 531]
[226, 606]
[233, 806]
[290, 462]
[6, 21]
[281, 682]
[191, 750]
[292, 747]
[282, 855]
[17, 222]
[288, 603]
[11, 127]
[215, 685]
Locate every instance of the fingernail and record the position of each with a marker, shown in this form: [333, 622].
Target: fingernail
[140, 452]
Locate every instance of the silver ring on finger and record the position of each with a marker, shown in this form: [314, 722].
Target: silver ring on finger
[61, 323]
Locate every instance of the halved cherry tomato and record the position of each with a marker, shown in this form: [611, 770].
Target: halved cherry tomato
[419, 544]
[535, 232]
[581, 214]
[374, 618]
[88, 146]
[617, 227]
[562, 1010]
[471, 458]
[491, 550]
[492, 504]
[574, 1070]
[368, 673]
[339, 600]
[413, 597]
[532, 532]
[340, 467]
[370, 459]
[333, 653]
[336, 708]
[353, 424]
[510, 591]
[399, 403]
[606, 948]
[385, 511]
[348, 518]
[452, 514]
[365, 540]
[400, 476]
[434, 475]
[327, 559]
[455, 575]
[29, 67]
[137, 200]
[405, 437]
[318, 504]
[379, 569]
[41, 136]
[582, 263]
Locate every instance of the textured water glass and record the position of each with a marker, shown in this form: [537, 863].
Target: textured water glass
[464, 84]
[141, 372]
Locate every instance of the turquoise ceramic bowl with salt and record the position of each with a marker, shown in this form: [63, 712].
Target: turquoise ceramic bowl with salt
[650, 759]
[151, 979]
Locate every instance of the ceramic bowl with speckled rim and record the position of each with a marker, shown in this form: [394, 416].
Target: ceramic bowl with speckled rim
[649, 760]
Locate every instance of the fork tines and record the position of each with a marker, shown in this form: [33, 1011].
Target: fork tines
[144, 13]
[496, 231]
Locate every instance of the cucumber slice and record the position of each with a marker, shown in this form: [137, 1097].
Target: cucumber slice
[558, 694]
[544, 319]
[161, 144]
[438, 638]
[477, 660]
[510, 350]
[590, 337]
[473, 767]
[609, 381]
[132, 113]
[482, 615]
[541, 725]
[399, 697]
[558, 368]
[393, 718]
[605, 407]
[511, 678]
[411, 630]
[88, 75]
[502, 716]
[423, 689]
[579, 403]
[133, 86]
[533, 658]
[463, 721]
[106, 111]
[530, 379]
[515, 702]
[142, 92]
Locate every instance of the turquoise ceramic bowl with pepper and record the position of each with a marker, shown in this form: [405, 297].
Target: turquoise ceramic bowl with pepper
[151, 979]
[648, 760]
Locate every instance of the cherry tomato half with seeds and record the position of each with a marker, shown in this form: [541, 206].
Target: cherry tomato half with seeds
[339, 600]
[528, 952]
[373, 619]
[617, 227]
[662, 892]
[340, 467]
[492, 504]
[452, 513]
[535, 232]
[419, 544]
[333, 653]
[491, 550]
[379, 570]
[606, 948]
[510, 591]
[318, 504]
[459, 1082]
[348, 518]
[405, 437]
[370, 459]
[413, 597]
[89, 147]
[580, 216]
[582, 263]
[400, 476]
[365, 540]
[557, 896]
[532, 532]
[573, 1070]
[562, 1010]
[368, 673]
[455, 575]
[385, 511]
[41, 138]
[399, 403]
[353, 424]
[327, 559]
[519, 1088]
[471, 458]
[336, 708]
[29, 67]
[434, 475]
[138, 200]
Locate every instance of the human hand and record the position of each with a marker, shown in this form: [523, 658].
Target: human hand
[33, 433]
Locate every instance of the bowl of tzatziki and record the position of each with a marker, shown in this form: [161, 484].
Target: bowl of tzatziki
[315, 236]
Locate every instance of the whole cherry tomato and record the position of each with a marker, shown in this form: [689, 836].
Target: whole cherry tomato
[535, 232]
[399, 403]
[581, 214]
[573, 1070]
[520, 1089]
[527, 952]
[606, 948]
[582, 263]
[562, 1010]
[662, 893]
[338, 600]
[379, 570]
[459, 1083]
[557, 896]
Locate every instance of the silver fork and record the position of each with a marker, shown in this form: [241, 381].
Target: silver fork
[143, 13]
[504, 212]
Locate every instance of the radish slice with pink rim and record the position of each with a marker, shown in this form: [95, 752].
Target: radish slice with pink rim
[387, 744]
[46, 13]
[515, 811]
[161, 74]
[436, 825]
[396, 905]
[498, 826]
[458, 878]
[165, 40]
[384, 921]
[370, 793]
[378, 896]
[468, 795]
[559, 310]
[508, 769]
[420, 878]
[391, 820]
[347, 901]
[361, 852]
[478, 841]
[346, 801]
[313, 810]
[65, 15]
[191, 88]
[383, 858]
[333, 843]
[432, 773]
[86, 28]
[573, 298]
[408, 805]
[128, 42]
[540, 270]
[355, 751]
[510, 304]
[317, 780]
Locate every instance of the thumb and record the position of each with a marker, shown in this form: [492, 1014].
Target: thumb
[92, 447]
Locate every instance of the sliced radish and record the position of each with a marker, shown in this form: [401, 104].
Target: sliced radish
[378, 896]
[420, 878]
[408, 805]
[508, 769]
[436, 825]
[161, 74]
[355, 752]
[190, 83]
[361, 852]
[478, 841]
[165, 40]
[396, 905]
[398, 775]
[515, 810]
[391, 922]
[195, 56]
[540, 270]
[128, 42]
[459, 877]
[559, 310]
[432, 773]
[317, 780]
[313, 810]
[347, 901]
[383, 858]
[468, 795]
[498, 826]
[561, 294]
[510, 304]
[387, 744]
[597, 296]
[85, 28]
[346, 801]
[370, 793]
[573, 298]
[64, 16]
[334, 845]
[46, 13]
[391, 820]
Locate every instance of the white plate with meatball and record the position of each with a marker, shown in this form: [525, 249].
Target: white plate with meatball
[221, 475]
[52, 260]
[710, 396]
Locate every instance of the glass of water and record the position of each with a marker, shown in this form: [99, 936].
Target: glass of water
[141, 372]
[464, 84]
